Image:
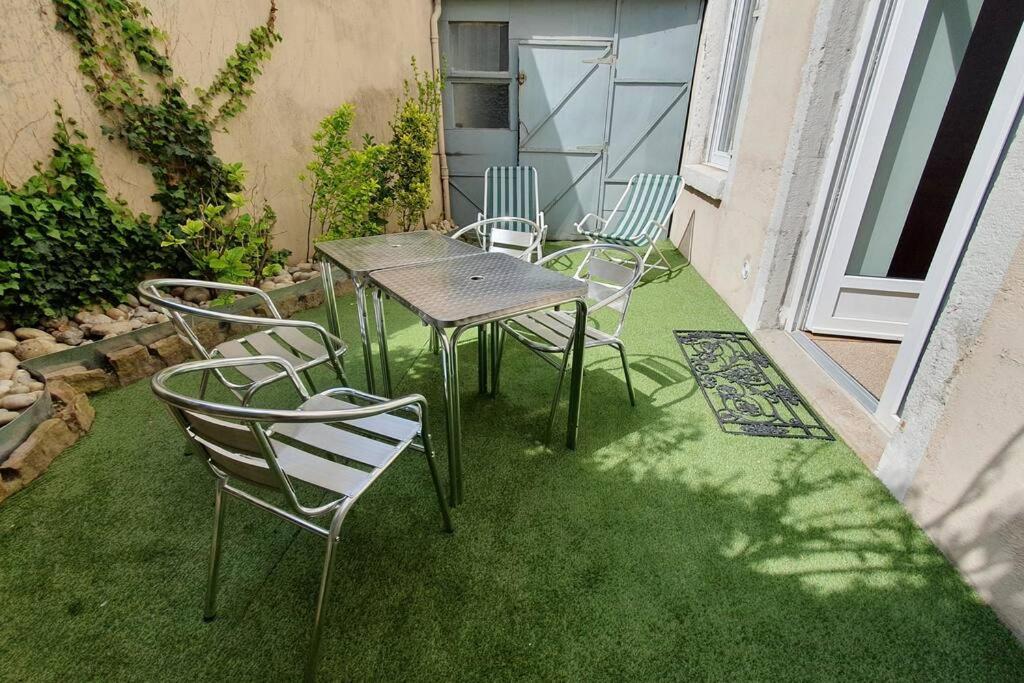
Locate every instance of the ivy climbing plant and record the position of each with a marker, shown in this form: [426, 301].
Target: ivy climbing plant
[66, 242]
[122, 54]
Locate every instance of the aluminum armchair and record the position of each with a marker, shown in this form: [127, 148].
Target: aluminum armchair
[303, 344]
[610, 284]
[518, 237]
[641, 217]
[277, 448]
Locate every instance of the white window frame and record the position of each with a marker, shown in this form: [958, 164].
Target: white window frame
[738, 45]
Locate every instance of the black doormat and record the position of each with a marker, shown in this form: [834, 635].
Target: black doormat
[746, 391]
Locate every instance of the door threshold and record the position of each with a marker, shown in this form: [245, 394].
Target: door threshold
[836, 371]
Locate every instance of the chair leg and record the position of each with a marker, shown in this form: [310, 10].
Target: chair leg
[309, 380]
[558, 393]
[210, 606]
[625, 370]
[321, 599]
[203, 382]
[442, 502]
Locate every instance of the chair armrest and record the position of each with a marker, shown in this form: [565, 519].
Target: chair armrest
[579, 226]
[150, 291]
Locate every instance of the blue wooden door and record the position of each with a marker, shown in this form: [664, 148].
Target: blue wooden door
[587, 91]
[563, 100]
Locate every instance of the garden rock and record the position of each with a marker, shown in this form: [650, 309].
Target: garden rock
[81, 378]
[7, 416]
[8, 364]
[116, 314]
[110, 329]
[19, 401]
[33, 348]
[7, 334]
[133, 363]
[25, 333]
[172, 350]
[196, 295]
[31, 458]
[131, 300]
[8, 344]
[5, 387]
[72, 336]
[89, 318]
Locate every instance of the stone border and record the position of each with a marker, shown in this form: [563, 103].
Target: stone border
[73, 416]
[15, 432]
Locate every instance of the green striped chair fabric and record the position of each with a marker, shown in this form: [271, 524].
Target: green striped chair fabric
[511, 191]
[648, 197]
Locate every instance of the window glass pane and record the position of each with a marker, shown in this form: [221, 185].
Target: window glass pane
[733, 76]
[480, 105]
[931, 74]
[479, 46]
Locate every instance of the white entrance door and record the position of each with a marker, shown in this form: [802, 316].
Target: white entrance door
[886, 228]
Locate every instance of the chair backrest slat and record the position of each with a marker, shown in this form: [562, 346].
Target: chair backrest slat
[650, 197]
[231, 447]
[511, 191]
[597, 291]
[503, 237]
[604, 270]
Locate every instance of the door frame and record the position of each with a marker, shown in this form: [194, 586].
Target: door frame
[889, 74]
[860, 95]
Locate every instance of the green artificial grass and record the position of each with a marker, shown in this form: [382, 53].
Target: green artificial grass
[662, 549]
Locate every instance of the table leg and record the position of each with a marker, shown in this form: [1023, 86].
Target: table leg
[364, 332]
[481, 358]
[330, 300]
[450, 381]
[576, 381]
[382, 342]
[496, 348]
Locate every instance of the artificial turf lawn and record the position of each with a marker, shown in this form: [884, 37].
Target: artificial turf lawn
[662, 549]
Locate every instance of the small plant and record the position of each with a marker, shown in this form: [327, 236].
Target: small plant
[346, 184]
[414, 136]
[225, 244]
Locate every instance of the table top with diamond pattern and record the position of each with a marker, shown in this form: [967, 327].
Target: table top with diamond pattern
[473, 289]
[358, 256]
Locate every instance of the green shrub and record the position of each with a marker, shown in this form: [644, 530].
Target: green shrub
[354, 190]
[413, 138]
[65, 242]
[346, 184]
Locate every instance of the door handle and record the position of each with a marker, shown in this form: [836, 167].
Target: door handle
[521, 78]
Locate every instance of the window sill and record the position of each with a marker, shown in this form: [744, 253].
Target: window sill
[707, 180]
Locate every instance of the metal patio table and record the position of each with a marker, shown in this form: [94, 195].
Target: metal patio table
[457, 294]
[359, 256]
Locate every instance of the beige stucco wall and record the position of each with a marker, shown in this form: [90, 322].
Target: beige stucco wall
[967, 492]
[721, 235]
[334, 51]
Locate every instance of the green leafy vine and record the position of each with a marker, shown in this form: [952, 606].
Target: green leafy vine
[66, 243]
[134, 85]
